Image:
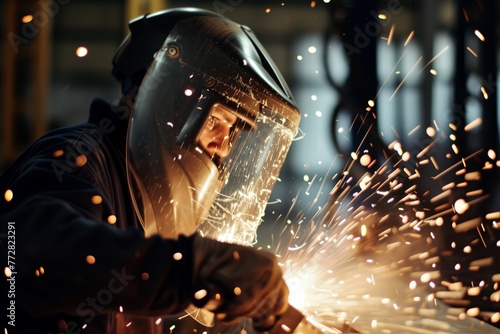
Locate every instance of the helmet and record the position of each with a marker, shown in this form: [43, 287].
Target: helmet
[147, 34]
[210, 128]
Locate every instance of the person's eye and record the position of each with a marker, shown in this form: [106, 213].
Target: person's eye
[212, 121]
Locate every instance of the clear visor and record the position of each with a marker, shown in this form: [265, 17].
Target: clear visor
[251, 158]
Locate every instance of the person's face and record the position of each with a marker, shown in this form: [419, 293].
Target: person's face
[215, 138]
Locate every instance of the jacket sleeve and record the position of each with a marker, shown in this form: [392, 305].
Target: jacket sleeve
[70, 257]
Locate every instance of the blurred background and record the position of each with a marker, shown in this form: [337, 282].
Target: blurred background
[365, 74]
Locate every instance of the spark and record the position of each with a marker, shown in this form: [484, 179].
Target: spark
[466, 15]
[406, 77]
[27, 18]
[475, 123]
[435, 57]
[485, 93]
[409, 38]
[8, 195]
[472, 51]
[479, 35]
[90, 259]
[112, 219]
[80, 160]
[96, 199]
[81, 51]
[390, 74]
[391, 34]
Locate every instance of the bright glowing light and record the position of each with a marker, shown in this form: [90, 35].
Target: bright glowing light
[112, 219]
[473, 312]
[27, 18]
[479, 35]
[90, 259]
[80, 160]
[365, 160]
[8, 195]
[431, 132]
[492, 155]
[406, 156]
[461, 206]
[200, 294]
[363, 230]
[485, 93]
[81, 51]
[96, 199]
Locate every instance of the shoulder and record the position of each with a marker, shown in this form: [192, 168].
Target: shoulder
[69, 165]
[58, 155]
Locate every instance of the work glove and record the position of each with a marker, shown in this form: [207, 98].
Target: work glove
[235, 281]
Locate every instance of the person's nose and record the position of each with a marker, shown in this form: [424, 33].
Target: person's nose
[217, 143]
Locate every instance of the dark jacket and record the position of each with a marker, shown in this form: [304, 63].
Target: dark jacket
[78, 254]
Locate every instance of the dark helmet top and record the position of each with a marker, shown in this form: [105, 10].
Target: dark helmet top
[211, 124]
[147, 34]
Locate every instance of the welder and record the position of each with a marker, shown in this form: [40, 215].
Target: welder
[117, 218]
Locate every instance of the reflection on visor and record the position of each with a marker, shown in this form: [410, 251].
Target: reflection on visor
[216, 136]
[220, 131]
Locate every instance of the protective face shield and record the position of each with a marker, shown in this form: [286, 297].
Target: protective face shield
[211, 126]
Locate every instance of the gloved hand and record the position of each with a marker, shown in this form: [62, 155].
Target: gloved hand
[241, 282]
